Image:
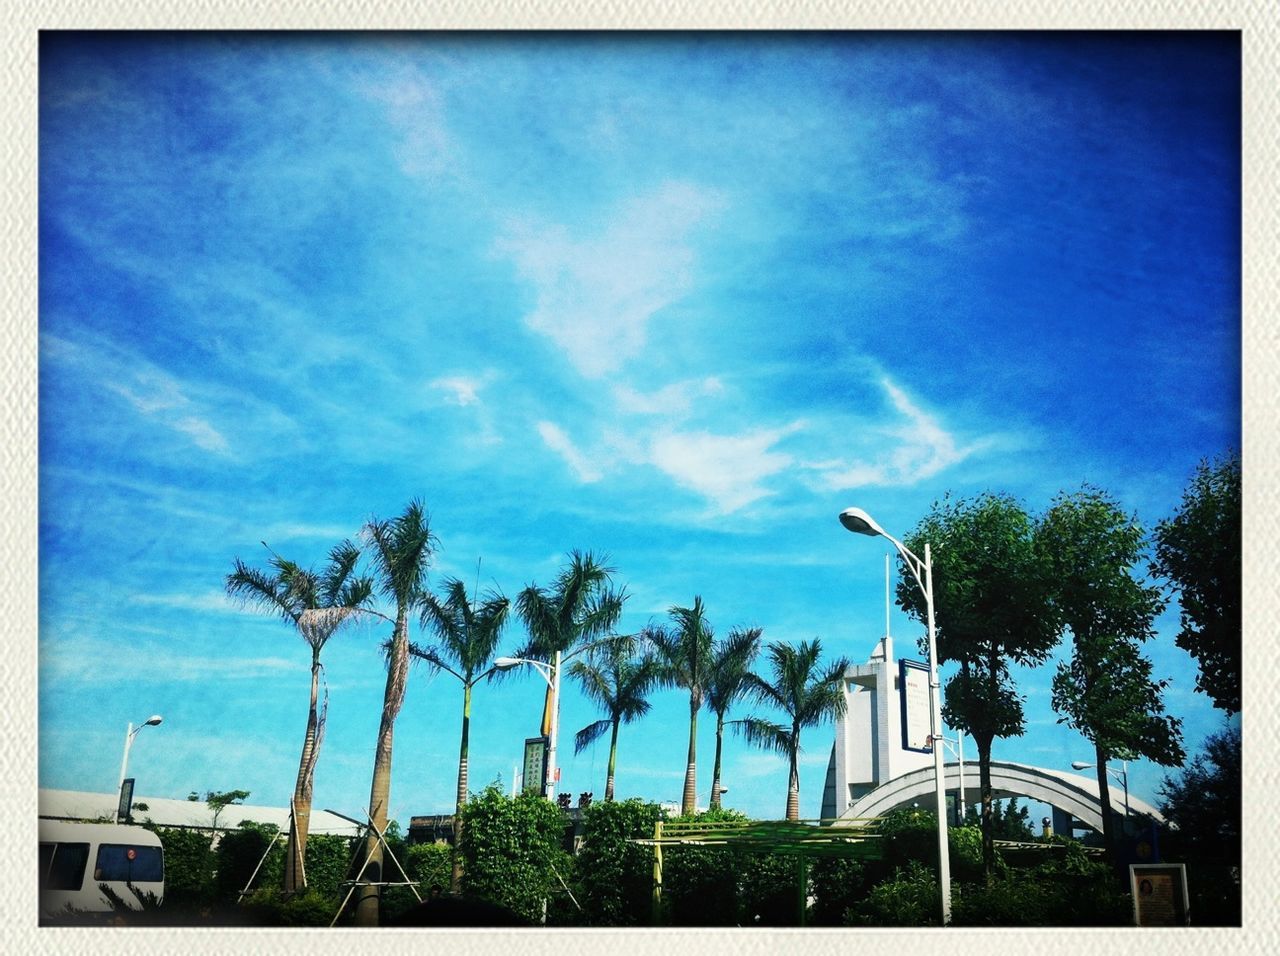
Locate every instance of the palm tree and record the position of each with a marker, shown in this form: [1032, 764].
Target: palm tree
[685, 652]
[402, 549]
[807, 695]
[468, 637]
[579, 608]
[731, 661]
[618, 680]
[316, 605]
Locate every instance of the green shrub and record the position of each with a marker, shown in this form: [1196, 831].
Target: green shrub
[512, 851]
[909, 898]
[837, 885]
[614, 876]
[188, 867]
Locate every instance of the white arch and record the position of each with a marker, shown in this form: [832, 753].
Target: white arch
[1073, 793]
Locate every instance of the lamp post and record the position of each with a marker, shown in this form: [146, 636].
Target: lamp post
[859, 522]
[551, 674]
[1122, 775]
[958, 746]
[131, 732]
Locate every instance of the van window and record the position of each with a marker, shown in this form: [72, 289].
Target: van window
[66, 865]
[129, 864]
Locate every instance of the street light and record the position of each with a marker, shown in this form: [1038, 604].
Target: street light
[551, 674]
[131, 732]
[1122, 775]
[859, 522]
[957, 744]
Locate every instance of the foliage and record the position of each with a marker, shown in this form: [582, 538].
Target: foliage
[618, 679]
[401, 549]
[769, 889]
[685, 652]
[909, 898]
[327, 861]
[1008, 820]
[218, 802]
[237, 855]
[991, 591]
[1203, 803]
[270, 907]
[188, 866]
[1199, 551]
[911, 834]
[316, 605]
[468, 635]
[700, 884]
[837, 885]
[731, 661]
[1106, 691]
[806, 694]
[580, 607]
[512, 848]
[615, 875]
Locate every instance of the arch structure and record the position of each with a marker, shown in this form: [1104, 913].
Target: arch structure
[1071, 793]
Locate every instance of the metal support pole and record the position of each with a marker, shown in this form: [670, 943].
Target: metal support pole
[935, 718]
[555, 728]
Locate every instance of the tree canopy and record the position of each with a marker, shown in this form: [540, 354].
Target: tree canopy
[1199, 551]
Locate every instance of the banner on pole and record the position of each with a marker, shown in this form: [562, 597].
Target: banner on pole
[535, 765]
[913, 688]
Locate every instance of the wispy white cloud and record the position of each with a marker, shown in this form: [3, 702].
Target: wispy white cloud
[211, 600]
[674, 399]
[918, 447]
[561, 444]
[79, 659]
[595, 294]
[415, 110]
[154, 394]
[463, 389]
[729, 470]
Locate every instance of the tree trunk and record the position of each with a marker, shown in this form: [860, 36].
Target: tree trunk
[715, 768]
[984, 784]
[613, 761]
[369, 897]
[1104, 798]
[455, 876]
[294, 864]
[793, 782]
[689, 801]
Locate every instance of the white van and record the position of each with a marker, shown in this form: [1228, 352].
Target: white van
[77, 859]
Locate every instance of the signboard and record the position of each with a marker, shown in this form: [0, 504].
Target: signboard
[913, 687]
[1159, 894]
[535, 765]
[126, 800]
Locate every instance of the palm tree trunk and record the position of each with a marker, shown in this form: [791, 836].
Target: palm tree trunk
[689, 801]
[793, 783]
[715, 768]
[369, 897]
[613, 761]
[294, 868]
[455, 878]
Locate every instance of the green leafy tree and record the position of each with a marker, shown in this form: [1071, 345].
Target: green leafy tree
[1008, 820]
[580, 608]
[218, 802]
[513, 851]
[1105, 691]
[731, 661]
[467, 634]
[619, 679]
[614, 873]
[1199, 551]
[700, 885]
[401, 550]
[807, 694]
[1202, 805]
[316, 604]
[684, 648]
[992, 607]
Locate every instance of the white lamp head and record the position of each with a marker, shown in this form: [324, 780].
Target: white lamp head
[859, 522]
[153, 721]
[505, 663]
[1080, 765]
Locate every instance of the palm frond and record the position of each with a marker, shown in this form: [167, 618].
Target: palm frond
[589, 734]
[764, 734]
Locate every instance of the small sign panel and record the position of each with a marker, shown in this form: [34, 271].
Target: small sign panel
[913, 686]
[535, 765]
[1160, 895]
[126, 799]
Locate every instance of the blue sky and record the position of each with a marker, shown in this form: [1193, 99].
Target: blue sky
[677, 299]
